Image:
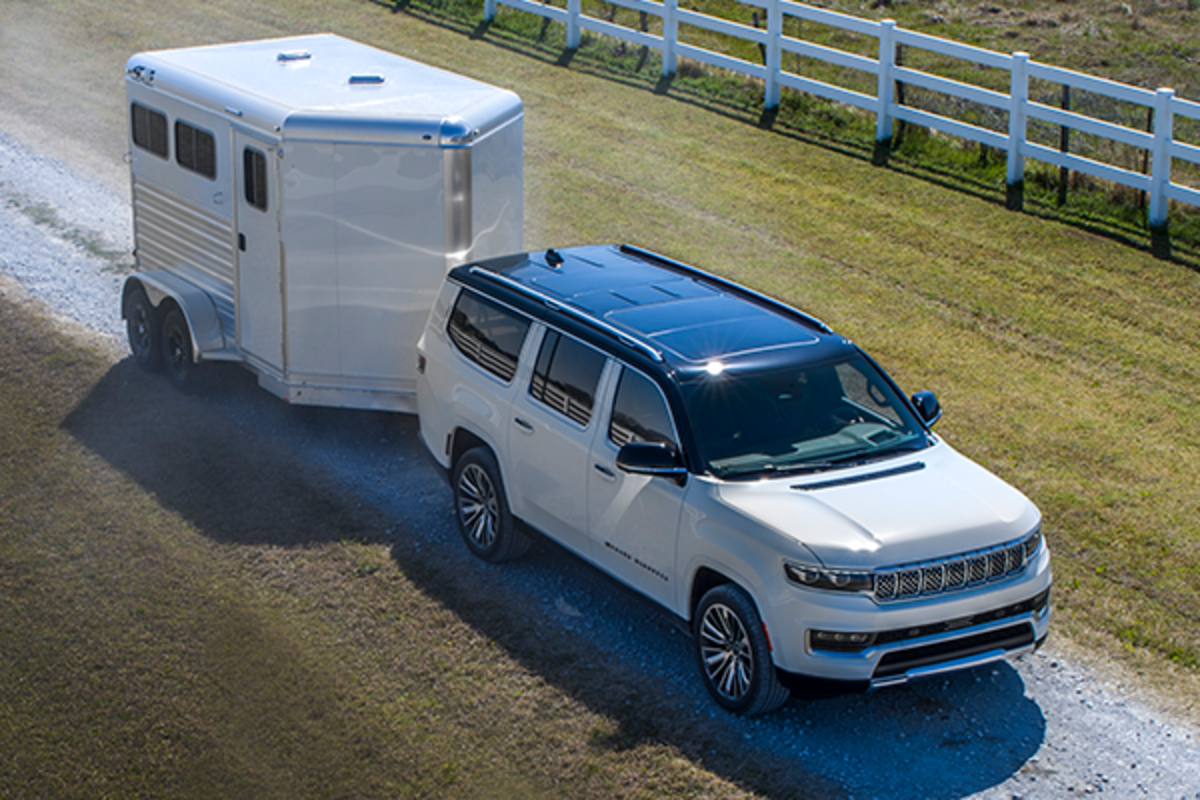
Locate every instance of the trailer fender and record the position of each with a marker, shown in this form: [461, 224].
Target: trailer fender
[203, 323]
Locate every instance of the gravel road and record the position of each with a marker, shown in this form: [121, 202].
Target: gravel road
[1046, 727]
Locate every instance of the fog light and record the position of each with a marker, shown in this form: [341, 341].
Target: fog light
[841, 641]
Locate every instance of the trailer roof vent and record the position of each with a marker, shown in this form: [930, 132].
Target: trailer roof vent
[366, 80]
[294, 55]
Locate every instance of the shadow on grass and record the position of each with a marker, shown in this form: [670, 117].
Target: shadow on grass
[243, 468]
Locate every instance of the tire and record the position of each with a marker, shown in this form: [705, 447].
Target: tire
[481, 506]
[177, 356]
[144, 331]
[733, 653]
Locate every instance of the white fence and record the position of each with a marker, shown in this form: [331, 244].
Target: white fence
[1159, 142]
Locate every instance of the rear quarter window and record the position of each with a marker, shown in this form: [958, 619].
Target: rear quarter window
[488, 334]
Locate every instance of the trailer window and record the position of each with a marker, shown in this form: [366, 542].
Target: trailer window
[195, 149]
[488, 334]
[149, 129]
[254, 170]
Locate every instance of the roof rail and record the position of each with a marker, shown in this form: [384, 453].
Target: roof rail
[727, 285]
[571, 311]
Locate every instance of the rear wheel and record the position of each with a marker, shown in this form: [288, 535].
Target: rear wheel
[733, 653]
[484, 520]
[143, 330]
[177, 355]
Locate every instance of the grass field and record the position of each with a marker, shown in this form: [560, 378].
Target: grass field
[1067, 361]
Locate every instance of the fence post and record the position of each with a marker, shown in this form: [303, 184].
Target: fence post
[1160, 173]
[573, 24]
[883, 94]
[489, 10]
[774, 53]
[1018, 97]
[670, 34]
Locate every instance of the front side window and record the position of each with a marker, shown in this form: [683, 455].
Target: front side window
[195, 149]
[639, 412]
[149, 129]
[488, 334]
[801, 418]
[566, 376]
[254, 176]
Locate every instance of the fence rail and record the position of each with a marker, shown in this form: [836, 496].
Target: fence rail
[1159, 146]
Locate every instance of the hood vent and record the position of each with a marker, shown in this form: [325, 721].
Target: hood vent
[916, 466]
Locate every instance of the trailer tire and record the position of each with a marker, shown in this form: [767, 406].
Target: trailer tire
[177, 356]
[144, 330]
[484, 520]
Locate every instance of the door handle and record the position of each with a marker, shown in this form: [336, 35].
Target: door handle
[608, 474]
[523, 425]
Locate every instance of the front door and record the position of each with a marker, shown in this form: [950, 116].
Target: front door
[259, 277]
[633, 520]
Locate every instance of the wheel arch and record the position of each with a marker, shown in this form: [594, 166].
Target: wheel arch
[166, 290]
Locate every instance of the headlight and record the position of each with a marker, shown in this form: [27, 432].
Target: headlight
[834, 580]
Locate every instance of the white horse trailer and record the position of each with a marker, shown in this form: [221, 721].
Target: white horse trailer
[297, 203]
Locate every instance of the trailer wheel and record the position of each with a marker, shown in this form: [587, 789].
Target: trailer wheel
[733, 653]
[143, 330]
[484, 520]
[177, 357]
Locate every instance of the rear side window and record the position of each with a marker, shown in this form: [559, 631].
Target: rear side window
[254, 170]
[639, 412]
[149, 129]
[195, 149]
[566, 376]
[488, 334]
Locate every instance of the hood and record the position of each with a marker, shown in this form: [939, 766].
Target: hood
[927, 505]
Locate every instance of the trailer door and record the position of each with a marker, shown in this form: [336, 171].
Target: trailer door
[259, 277]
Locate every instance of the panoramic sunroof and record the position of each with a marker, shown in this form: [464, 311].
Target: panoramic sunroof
[703, 328]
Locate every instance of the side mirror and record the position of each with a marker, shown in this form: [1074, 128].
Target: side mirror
[928, 407]
[651, 458]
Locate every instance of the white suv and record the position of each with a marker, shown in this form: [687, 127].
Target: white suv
[734, 460]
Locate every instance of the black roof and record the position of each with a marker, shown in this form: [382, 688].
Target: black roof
[665, 310]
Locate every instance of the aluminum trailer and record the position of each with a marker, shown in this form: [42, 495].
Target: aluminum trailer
[297, 203]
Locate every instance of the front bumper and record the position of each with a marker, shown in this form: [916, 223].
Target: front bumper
[912, 640]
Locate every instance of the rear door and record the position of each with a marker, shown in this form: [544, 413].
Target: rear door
[259, 276]
[551, 429]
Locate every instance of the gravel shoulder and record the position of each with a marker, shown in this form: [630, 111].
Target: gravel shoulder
[1047, 727]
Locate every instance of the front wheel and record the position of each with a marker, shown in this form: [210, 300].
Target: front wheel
[484, 520]
[733, 653]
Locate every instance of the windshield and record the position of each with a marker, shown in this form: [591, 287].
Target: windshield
[799, 419]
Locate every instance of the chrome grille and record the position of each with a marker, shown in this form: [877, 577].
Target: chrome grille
[955, 572]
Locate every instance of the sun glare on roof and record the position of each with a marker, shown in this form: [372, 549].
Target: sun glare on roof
[714, 368]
